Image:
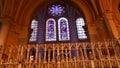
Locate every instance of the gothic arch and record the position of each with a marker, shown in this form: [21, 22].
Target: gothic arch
[89, 15]
[87, 11]
[110, 12]
[22, 14]
[30, 10]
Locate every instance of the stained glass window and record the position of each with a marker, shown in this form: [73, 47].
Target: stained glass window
[80, 30]
[63, 29]
[58, 23]
[56, 10]
[50, 30]
[34, 27]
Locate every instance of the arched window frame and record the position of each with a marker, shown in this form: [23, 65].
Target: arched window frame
[50, 30]
[70, 16]
[63, 36]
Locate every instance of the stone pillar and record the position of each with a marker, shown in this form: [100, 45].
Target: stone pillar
[4, 30]
[109, 18]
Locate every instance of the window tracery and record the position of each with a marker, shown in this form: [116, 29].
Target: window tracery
[56, 10]
[57, 24]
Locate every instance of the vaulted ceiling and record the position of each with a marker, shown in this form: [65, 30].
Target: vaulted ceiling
[16, 9]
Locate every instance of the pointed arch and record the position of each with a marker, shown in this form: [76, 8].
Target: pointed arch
[32, 54]
[50, 30]
[63, 29]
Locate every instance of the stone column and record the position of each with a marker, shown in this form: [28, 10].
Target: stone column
[111, 24]
[4, 30]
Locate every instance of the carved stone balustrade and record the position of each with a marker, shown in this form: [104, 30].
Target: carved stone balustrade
[61, 55]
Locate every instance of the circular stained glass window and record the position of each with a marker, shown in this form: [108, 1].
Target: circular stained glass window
[56, 10]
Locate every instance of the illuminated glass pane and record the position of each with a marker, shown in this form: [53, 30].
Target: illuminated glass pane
[50, 30]
[56, 10]
[34, 27]
[63, 29]
[80, 22]
[80, 30]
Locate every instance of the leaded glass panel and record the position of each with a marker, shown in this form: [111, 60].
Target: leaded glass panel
[63, 29]
[50, 30]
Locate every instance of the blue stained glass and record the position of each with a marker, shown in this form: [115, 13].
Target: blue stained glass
[50, 30]
[56, 10]
[63, 29]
